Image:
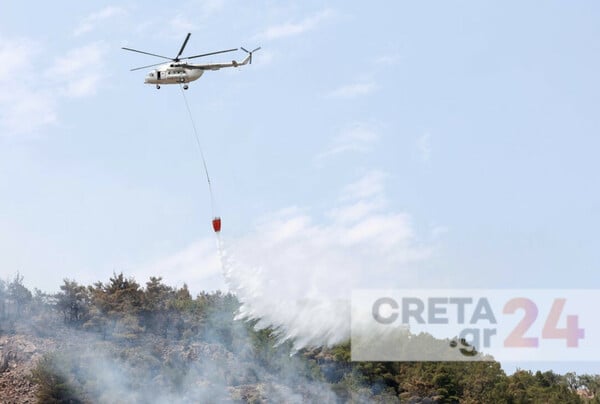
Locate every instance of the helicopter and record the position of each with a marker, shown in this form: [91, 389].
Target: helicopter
[179, 71]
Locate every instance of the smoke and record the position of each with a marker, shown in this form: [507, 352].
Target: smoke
[104, 366]
[296, 275]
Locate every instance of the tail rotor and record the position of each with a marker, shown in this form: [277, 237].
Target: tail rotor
[249, 52]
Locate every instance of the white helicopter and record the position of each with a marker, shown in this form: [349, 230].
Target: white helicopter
[177, 71]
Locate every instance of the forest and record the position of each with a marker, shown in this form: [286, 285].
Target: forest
[122, 341]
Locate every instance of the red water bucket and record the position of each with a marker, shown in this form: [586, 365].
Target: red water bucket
[216, 224]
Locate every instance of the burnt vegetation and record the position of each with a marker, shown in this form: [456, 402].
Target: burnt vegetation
[120, 341]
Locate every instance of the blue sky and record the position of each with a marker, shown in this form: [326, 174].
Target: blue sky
[447, 144]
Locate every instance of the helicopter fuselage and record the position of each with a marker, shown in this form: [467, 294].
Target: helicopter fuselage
[172, 74]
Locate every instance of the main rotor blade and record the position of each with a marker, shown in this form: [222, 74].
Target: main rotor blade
[183, 46]
[211, 53]
[144, 67]
[247, 51]
[146, 53]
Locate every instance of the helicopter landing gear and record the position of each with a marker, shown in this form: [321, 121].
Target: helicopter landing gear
[158, 86]
[185, 87]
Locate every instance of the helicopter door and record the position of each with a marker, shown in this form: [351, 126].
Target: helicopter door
[158, 75]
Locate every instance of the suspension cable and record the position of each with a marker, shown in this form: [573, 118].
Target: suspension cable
[210, 191]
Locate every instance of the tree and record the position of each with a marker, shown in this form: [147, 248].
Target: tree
[157, 295]
[53, 386]
[120, 295]
[73, 301]
[591, 384]
[156, 314]
[19, 294]
[123, 294]
[115, 307]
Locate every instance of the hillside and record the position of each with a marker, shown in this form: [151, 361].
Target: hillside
[122, 342]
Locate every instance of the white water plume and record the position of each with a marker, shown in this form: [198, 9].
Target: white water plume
[296, 276]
